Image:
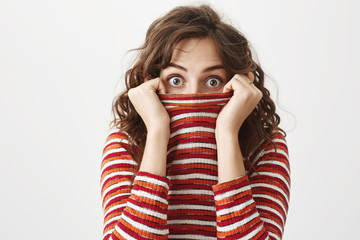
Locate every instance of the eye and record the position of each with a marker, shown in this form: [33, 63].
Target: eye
[175, 81]
[213, 82]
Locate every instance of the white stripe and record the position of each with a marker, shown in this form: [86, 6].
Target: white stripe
[116, 207]
[192, 236]
[271, 222]
[238, 224]
[271, 210]
[108, 233]
[253, 233]
[193, 161]
[188, 101]
[277, 152]
[192, 145]
[274, 236]
[196, 160]
[193, 176]
[114, 185]
[272, 199]
[193, 114]
[277, 175]
[235, 208]
[115, 150]
[119, 161]
[232, 193]
[276, 188]
[192, 130]
[275, 162]
[147, 211]
[115, 196]
[143, 227]
[191, 221]
[117, 140]
[258, 156]
[123, 234]
[120, 175]
[191, 207]
[191, 191]
[261, 153]
[279, 140]
[149, 196]
[152, 181]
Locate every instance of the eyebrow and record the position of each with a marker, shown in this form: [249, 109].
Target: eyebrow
[205, 70]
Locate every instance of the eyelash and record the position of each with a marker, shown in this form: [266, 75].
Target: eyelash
[215, 77]
[207, 79]
[175, 75]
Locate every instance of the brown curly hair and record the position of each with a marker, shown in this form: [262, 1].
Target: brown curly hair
[155, 54]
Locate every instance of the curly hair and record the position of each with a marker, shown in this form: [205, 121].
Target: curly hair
[155, 54]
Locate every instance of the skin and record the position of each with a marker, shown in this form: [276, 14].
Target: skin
[196, 68]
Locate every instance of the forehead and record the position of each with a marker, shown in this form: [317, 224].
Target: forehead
[196, 49]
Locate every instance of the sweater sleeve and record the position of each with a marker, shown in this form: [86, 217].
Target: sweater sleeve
[256, 206]
[137, 211]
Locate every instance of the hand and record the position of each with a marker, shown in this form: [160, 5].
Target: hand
[148, 105]
[245, 98]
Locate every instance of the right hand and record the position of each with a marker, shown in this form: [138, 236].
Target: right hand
[148, 105]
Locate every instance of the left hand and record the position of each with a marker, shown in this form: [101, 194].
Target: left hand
[245, 98]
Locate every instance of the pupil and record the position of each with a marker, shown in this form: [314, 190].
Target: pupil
[213, 82]
[176, 81]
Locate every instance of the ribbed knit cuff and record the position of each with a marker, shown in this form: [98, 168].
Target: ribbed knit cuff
[145, 216]
[231, 193]
[235, 207]
[152, 181]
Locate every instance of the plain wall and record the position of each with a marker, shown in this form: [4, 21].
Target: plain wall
[61, 63]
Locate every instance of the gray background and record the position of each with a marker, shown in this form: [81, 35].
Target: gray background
[60, 67]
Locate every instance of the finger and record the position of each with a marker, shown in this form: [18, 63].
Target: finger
[242, 80]
[156, 85]
[240, 85]
[234, 83]
[161, 87]
[228, 87]
[251, 76]
[247, 80]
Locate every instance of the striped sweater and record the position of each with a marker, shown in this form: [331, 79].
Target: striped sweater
[189, 203]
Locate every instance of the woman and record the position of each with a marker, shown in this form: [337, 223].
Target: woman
[196, 152]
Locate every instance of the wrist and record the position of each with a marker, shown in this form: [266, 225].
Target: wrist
[159, 132]
[224, 134]
[155, 152]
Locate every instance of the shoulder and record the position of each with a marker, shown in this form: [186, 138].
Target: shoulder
[116, 138]
[117, 135]
[273, 156]
[279, 141]
[277, 147]
[277, 150]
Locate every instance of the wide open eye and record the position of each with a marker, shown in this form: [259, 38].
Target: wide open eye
[175, 81]
[213, 82]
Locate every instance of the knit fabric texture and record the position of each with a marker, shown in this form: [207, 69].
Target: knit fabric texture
[192, 163]
[189, 203]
